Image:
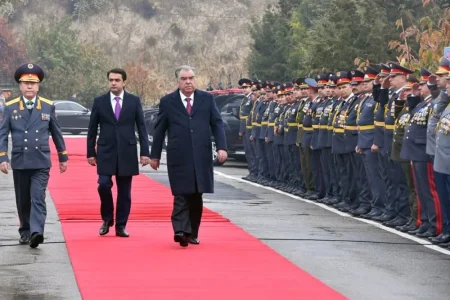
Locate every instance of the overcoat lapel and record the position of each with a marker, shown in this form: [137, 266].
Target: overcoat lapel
[198, 101]
[178, 102]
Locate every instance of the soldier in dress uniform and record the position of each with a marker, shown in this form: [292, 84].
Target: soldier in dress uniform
[442, 160]
[260, 134]
[269, 134]
[278, 142]
[296, 184]
[254, 127]
[317, 108]
[322, 113]
[414, 150]
[334, 176]
[366, 132]
[245, 110]
[402, 117]
[308, 135]
[30, 119]
[437, 84]
[381, 81]
[338, 143]
[397, 200]
[360, 190]
[305, 162]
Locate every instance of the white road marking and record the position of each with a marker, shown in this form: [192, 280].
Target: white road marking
[376, 224]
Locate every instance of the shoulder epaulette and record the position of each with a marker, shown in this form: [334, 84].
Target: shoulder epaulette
[49, 102]
[12, 101]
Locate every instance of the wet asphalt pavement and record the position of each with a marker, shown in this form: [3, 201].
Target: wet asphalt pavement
[359, 260]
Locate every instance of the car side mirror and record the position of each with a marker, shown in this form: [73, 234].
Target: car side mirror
[86, 110]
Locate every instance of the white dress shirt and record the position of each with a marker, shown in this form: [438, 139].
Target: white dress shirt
[183, 99]
[113, 101]
[32, 100]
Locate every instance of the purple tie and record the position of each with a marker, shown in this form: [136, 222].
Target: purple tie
[117, 109]
[188, 105]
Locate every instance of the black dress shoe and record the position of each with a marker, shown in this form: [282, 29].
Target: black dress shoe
[194, 241]
[398, 221]
[105, 227]
[384, 218]
[181, 238]
[122, 232]
[36, 239]
[443, 238]
[421, 229]
[427, 234]
[24, 239]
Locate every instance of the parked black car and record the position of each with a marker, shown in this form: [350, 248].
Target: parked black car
[228, 102]
[72, 117]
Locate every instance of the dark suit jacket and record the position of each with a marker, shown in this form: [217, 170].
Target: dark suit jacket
[116, 146]
[189, 148]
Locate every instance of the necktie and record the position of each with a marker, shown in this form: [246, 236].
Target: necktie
[188, 106]
[117, 109]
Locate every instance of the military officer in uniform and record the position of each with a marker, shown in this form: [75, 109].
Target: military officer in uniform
[402, 117]
[268, 134]
[30, 119]
[414, 150]
[366, 131]
[245, 111]
[338, 143]
[442, 161]
[305, 163]
[334, 176]
[397, 200]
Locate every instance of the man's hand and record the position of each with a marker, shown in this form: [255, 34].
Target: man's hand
[241, 133]
[386, 83]
[145, 160]
[374, 148]
[62, 167]
[154, 163]
[4, 167]
[432, 79]
[222, 155]
[92, 161]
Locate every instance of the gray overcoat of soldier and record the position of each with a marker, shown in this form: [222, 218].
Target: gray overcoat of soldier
[30, 119]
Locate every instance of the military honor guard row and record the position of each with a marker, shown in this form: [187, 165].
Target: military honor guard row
[372, 142]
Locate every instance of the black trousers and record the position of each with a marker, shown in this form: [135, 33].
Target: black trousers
[123, 199]
[29, 187]
[187, 213]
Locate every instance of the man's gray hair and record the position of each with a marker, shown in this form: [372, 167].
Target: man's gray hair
[183, 68]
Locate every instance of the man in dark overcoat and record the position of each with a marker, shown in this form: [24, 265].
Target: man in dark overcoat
[191, 119]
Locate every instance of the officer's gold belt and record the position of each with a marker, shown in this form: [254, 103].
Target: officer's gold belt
[308, 129]
[330, 127]
[338, 130]
[249, 127]
[323, 126]
[366, 127]
[256, 124]
[315, 126]
[293, 124]
[389, 127]
[349, 127]
[379, 124]
[264, 123]
[271, 124]
[244, 117]
[300, 125]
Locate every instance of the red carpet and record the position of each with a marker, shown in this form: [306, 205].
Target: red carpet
[229, 263]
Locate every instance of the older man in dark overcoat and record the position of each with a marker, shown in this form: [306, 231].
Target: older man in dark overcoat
[191, 119]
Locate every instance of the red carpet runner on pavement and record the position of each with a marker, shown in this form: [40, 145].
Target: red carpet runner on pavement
[228, 264]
